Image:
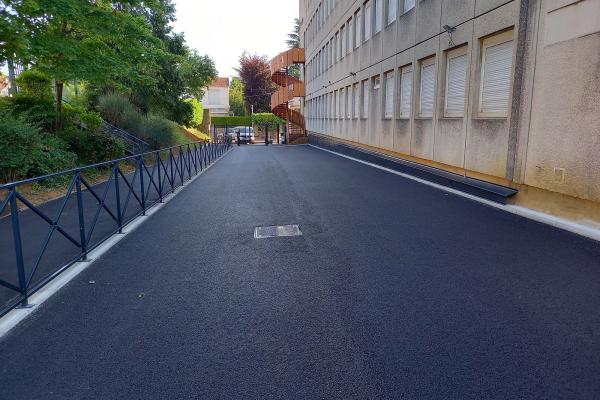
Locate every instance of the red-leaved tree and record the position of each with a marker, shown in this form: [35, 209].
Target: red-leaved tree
[255, 73]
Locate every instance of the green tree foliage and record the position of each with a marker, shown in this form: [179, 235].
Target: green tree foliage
[127, 46]
[34, 83]
[232, 121]
[182, 73]
[198, 113]
[255, 74]
[87, 40]
[262, 119]
[26, 153]
[293, 42]
[236, 97]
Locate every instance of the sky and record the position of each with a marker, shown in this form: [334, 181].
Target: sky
[224, 29]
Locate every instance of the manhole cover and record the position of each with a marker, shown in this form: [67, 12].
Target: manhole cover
[263, 232]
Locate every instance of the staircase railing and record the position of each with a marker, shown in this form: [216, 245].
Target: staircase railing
[133, 144]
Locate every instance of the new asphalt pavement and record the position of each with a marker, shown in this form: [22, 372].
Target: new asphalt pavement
[395, 290]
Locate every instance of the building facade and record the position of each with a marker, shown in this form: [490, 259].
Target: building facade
[216, 98]
[503, 91]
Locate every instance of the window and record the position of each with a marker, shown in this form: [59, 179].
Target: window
[348, 103]
[389, 94]
[368, 18]
[406, 91]
[409, 5]
[339, 105]
[343, 34]
[378, 15]
[337, 48]
[357, 30]
[456, 79]
[336, 104]
[365, 98]
[356, 95]
[350, 34]
[427, 89]
[496, 75]
[392, 11]
[376, 82]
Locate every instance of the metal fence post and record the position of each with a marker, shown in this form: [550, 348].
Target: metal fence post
[16, 228]
[142, 187]
[158, 165]
[81, 217]
[171, 159]
[118, 198]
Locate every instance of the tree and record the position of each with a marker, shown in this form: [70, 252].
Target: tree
[293, 42]
[255, 74]
[96, 41]
[236, 97]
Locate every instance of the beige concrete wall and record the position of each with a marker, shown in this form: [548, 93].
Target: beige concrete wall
[563, 152]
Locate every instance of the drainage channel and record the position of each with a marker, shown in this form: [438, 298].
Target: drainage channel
[264, 232]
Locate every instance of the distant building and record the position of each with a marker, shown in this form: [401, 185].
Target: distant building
[216, 98]
[4, 86]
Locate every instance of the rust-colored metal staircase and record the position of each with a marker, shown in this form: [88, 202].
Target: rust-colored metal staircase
[289, 88]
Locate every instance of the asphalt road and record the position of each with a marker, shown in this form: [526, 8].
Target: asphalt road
[396, 290]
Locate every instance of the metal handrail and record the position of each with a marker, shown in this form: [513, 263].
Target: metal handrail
[155, 174]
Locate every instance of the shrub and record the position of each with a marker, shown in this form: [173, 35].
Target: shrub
[26, 152]
[34, 83]
[133, 122]
[262, 119]
[114, 106]
[92, 147]
[232, 121]
[37, 111]
[198, 113]
[158, 132]
[79, 116]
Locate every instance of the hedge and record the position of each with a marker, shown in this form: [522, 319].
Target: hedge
[262, 119]
[231, 121]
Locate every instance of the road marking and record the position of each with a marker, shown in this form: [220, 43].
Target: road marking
[538, 216]
[16, 316]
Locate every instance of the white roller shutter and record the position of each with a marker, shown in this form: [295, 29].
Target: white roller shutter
[365, 98]
[406, 93]
[368, 18]
[456, 79]
[426, 94]
[389, 95]
[348, 102]
[357, 30]
[496, 76]
[392, 11]
[378, 15]
[356, 95]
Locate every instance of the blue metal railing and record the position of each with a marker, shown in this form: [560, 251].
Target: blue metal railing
[133, 144]
[86, 215]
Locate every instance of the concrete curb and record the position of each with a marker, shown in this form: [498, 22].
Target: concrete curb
[560, 223]
[16, 316]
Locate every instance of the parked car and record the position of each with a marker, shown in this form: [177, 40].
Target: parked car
[246, 134]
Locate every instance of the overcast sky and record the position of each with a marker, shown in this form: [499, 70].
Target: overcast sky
[223, 29]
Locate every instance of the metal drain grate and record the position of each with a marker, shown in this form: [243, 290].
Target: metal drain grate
[263, 232]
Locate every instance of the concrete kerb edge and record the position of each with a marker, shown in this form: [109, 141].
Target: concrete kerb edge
[560, 223]
[16, 316]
